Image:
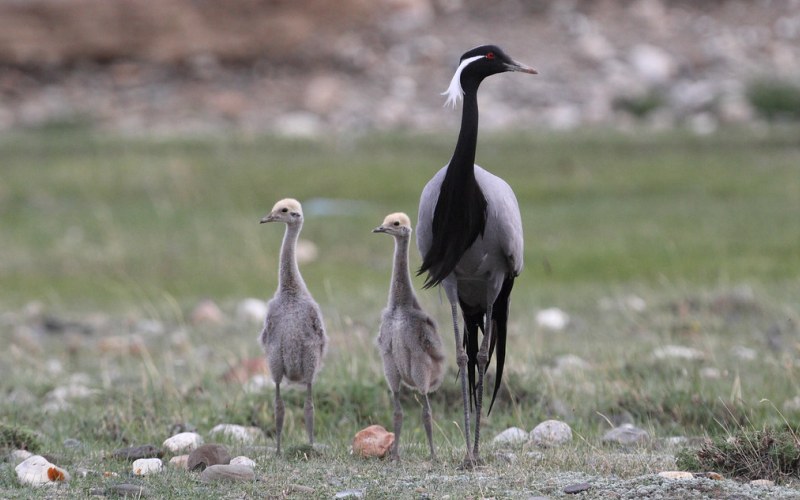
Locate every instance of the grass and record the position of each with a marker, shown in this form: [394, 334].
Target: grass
[106, 233]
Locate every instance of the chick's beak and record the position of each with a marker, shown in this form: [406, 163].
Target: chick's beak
[267, 218]
[523, 68]
[379, 229]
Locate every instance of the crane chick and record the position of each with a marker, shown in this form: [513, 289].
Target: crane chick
[408, 341]
[293, 337]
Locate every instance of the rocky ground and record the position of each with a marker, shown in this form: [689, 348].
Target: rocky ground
[179, 67]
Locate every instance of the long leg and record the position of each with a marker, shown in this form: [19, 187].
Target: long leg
[483, 360]
[308, 410]
[398, 424]
[461, 359]
[426, 421]
[278, 415]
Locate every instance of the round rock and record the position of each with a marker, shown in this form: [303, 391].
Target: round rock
[182, 442]
[551, 433]
[207, 455]
[626, 434]
[226, 472]
[37, 470]
[373, 441]
[510, 436]
[239, 433]
[245, 461]
[146, 466]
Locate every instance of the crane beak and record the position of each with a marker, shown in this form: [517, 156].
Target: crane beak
[267, 218]
[518, 66]
[379, 229]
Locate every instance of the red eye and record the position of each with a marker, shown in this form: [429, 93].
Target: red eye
[490, 55]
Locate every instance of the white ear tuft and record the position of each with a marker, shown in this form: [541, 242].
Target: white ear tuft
[454, 92]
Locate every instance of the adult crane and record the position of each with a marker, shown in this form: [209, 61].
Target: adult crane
[469, 234]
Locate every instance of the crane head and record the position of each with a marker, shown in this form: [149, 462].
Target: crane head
[288, 210]
[396, 224]
[478, 63]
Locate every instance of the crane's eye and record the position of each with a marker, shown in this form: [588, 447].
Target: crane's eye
[490, 55]
[396, 223]
[284, 209]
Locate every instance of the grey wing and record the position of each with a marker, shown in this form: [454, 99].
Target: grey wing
[427, 205]
[429, 338]
[318, 328]
[268, 332]
[504, 222]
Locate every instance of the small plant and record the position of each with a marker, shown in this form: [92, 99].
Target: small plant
[12, 437]
[747, 454]
[639, 105]
[775, 99]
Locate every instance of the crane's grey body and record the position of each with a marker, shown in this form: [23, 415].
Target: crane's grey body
[469, 234]
[409, 344]
[293, 337]
[496, 254]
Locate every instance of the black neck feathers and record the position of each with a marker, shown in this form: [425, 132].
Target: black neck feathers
[460, 214]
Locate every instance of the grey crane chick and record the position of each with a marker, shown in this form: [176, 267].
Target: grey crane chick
[293, 337]
[408, 341]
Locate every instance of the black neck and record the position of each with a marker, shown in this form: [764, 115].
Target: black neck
[460, 214]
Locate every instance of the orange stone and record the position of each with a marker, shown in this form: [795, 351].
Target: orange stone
[374, 441]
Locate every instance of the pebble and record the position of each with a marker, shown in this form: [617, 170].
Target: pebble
[146, 466]
[226, 472]
[299, 488]
[678, 352]
[136, 452]
[179, 461]
[626, 434]
[510, 436]
[184, 441]
[552, 318]
[207, 312]
[576, 488]
[207, 455]
[373, 441]
[762, 482]
[676, 474]
[251, 310]
[551, 433]
[245, 461]
[351, 494]
[37, 470]
[239, 433]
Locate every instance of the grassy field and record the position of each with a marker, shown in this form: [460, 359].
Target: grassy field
[115, 233]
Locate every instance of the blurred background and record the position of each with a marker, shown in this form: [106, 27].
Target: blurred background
[313, 69]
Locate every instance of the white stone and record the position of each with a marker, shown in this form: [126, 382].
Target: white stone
[710, 373]
[299, 125]
[179, 461]
[512, 435]
[246, 435]
[36, 470]
[678, 352]
[571, 363]
[762, 482]
[626, 434]
[744, 353]
[551, 433]
[552, 318]
[182, 442]
[145, 466]
[676, 474]
[653, 64]
[251, 310]
[242, 460]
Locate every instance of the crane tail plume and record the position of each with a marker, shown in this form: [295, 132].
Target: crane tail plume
[500, 332]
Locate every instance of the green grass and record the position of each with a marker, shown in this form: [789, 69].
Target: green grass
[107, 231]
